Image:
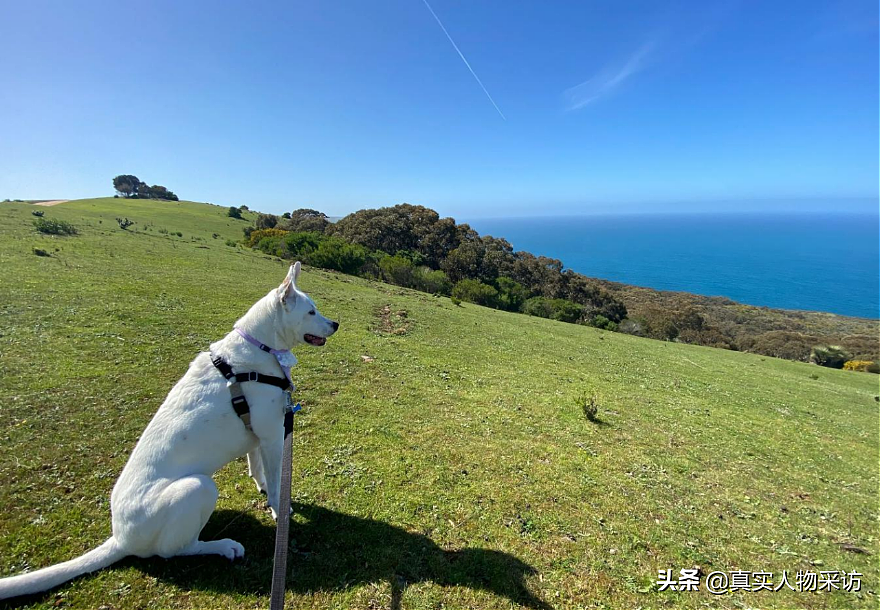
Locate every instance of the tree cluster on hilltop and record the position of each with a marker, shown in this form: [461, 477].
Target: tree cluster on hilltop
[131, 187]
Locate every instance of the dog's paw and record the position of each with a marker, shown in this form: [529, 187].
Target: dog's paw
[230, 549]
[272, 511]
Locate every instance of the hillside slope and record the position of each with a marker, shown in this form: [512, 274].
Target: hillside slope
[441, 458]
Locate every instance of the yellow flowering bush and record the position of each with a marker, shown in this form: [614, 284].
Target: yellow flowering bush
[259, 234]
[856, 365]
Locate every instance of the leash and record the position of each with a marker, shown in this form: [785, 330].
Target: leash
[286, 360]
[283, 518]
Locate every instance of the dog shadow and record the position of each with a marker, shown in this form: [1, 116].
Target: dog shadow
[332, 551]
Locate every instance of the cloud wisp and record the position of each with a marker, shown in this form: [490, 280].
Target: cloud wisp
[608, 79]
[456, 47]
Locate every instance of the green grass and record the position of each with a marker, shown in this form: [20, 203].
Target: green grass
[442, 458]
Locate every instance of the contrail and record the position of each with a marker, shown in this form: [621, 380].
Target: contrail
[456, 47]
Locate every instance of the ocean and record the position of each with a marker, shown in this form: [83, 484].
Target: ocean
[821, 262]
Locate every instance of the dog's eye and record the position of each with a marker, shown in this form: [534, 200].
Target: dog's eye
[312, 312]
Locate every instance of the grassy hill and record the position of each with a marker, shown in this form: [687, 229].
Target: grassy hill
[442, 458]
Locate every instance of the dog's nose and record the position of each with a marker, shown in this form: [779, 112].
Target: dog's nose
[335, 325]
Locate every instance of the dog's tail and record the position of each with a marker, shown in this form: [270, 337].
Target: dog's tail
[102, 556]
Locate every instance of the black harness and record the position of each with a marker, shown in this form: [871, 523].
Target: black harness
[239, 402]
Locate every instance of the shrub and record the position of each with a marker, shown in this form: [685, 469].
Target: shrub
[873, 368]
[782, 344]
[231, 243]
[254, 237]
[556, 309]
[397, 270]
[412, 256]
[631, 327]
[536, 306]
[178, 234]
[54, 227]
[300, 244]
[124, 223]
[271, 245]
[857, 365]
[234, 213]
[37, 212]
[311, 247]
[512, 294]
[829, 356]
[589, 406]
[601, 322]
[477, 292]
[565, 310]
[709, 335]
[432, 281]
[456, 302]
[333, 253]
[41, 253]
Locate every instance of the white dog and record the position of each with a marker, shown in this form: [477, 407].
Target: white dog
[165, 494]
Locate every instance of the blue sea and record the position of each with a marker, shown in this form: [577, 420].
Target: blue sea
[822, 262]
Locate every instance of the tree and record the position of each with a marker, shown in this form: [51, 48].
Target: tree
[131, 186]
[126, 185]
[234, 212]
[266, 221]
[483, 258]
[402, 227]
[463, 262]
[155, 192]
[511, 294]
[305, 219]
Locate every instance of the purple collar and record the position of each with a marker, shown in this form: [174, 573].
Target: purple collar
[285, 358]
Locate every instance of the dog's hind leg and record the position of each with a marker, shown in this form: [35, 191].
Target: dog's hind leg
[186, 505]
[255, 470]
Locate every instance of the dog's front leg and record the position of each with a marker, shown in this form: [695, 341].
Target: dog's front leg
[255, 470]
[271, 450]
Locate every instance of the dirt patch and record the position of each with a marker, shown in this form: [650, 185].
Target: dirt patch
[51, 202]
[391, 321]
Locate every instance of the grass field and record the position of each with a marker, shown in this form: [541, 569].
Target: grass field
[441, 459]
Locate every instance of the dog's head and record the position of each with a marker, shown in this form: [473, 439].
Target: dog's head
[299, 316]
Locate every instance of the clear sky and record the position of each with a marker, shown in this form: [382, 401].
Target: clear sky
[572, 107]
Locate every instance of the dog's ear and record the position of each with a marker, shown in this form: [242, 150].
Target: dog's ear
[287, 290]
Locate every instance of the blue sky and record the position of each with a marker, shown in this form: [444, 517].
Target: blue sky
[608, 106]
